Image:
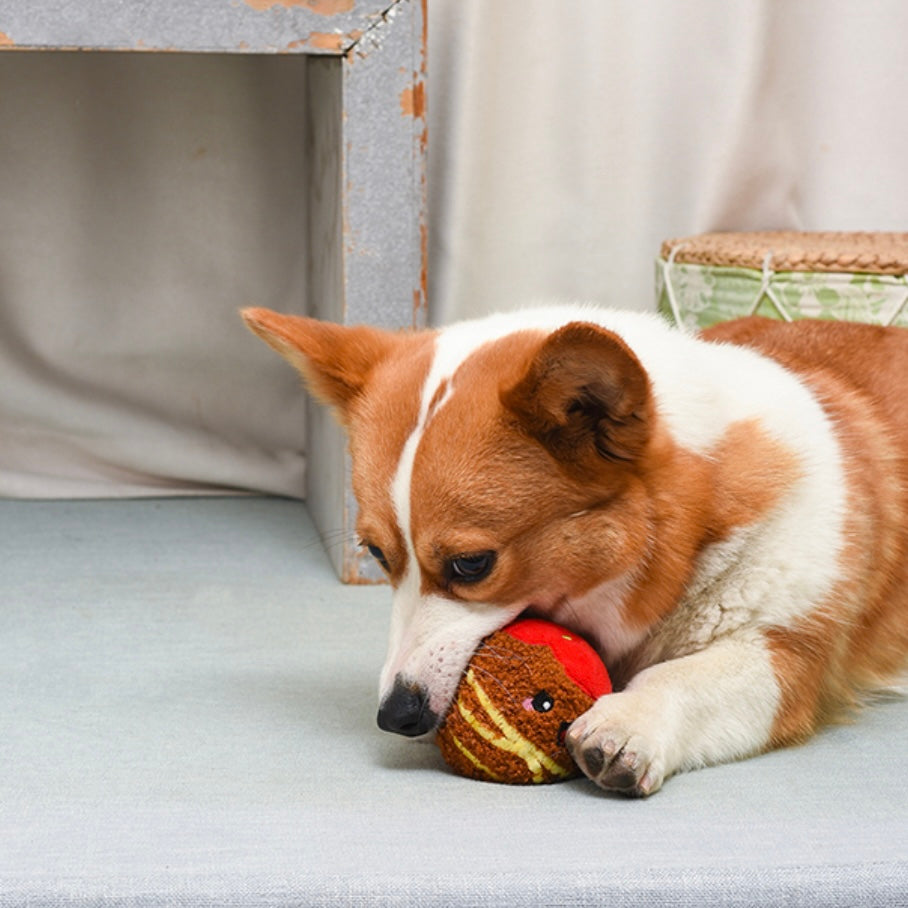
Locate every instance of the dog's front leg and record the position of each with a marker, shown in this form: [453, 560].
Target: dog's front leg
[712, 706]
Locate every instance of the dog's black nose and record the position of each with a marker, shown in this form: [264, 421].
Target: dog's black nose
[405, 711]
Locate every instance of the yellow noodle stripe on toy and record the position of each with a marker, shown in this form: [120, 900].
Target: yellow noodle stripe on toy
[520, 746]
[475, 760]
[510, 739]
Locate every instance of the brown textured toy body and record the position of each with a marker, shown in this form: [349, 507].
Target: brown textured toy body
[522, 689]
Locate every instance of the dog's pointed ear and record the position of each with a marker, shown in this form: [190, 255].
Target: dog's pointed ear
[335, 360]
[585, 396]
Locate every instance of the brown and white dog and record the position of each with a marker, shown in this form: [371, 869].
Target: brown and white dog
[725, 517]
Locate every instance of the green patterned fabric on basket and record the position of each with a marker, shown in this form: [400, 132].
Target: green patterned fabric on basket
[707, 294]
[787, 274]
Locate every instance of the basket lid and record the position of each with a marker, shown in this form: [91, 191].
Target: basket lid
[792, 250]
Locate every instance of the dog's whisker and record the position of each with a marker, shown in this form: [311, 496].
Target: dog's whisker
[506, 691]
[331, 540]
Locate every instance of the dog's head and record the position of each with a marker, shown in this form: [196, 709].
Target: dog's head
[497, 470]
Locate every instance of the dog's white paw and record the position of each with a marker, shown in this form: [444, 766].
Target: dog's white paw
[614, 751]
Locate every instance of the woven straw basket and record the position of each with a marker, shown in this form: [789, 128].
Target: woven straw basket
[784, 274]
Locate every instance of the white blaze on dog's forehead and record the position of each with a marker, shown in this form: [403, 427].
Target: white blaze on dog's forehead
[453, 346]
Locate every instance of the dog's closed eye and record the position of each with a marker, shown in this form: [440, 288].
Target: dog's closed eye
[377, 554]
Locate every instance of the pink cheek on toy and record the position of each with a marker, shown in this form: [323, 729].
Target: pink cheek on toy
[528, 705]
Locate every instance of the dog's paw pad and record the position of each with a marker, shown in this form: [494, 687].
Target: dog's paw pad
[615, 759]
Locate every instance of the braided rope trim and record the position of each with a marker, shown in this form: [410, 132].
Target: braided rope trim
[783, 250]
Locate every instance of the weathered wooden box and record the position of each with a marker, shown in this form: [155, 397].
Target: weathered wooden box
[366, 140]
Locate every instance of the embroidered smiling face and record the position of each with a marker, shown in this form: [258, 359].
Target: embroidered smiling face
[516, 702]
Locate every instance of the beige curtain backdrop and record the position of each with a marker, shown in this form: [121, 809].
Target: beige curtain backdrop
[144, 198]
[570, 139]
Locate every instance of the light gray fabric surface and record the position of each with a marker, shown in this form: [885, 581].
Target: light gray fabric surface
[187, 702]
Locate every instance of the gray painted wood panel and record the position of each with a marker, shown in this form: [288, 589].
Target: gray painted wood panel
[366, 159]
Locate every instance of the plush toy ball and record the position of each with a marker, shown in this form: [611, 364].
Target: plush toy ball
[521, 691]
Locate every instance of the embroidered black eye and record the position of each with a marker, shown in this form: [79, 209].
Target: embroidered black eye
[378, 555]
[471, 568]
[543, 701]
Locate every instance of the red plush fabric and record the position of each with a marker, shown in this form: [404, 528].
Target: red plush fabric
[580, 660]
